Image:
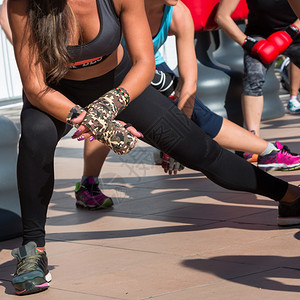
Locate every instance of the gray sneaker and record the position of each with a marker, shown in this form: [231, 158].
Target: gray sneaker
[32, 273]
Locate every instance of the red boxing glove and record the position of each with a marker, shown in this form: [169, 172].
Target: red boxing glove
[264, 50]
[282, 39]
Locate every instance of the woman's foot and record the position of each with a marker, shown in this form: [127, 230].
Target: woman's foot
[32, 275]
[89, 196]
[289, 213]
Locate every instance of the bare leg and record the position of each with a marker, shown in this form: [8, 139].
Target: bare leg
[293, 105]
[87, 192]
[292, 194]
[252, 110]
[234, 137]
[95, 154]
[294, 79]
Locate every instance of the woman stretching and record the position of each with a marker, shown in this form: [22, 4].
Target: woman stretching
[70, 57]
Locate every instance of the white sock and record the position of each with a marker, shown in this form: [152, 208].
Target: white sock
[268, 150]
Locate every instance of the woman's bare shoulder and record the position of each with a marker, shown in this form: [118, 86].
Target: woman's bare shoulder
[18, 7]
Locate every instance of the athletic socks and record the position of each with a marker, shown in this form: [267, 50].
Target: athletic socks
[268, 150]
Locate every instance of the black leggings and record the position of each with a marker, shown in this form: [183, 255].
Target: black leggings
[164, 127]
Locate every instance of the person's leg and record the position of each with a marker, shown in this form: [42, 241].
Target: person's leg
[87, 192]
[95, 154]
[252, 107]
[168, 129]
[294, 80]
[293, 105]
[271, 157]
[252, 97]
[40, 135]
[35, 173]
[233, 137]
[292, 52]
[224, 132]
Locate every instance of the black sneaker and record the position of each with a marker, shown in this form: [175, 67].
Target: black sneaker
[32, 273]
[289, 213]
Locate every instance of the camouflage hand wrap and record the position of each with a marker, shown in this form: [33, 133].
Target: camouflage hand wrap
[99, 120]
[110, 132]
[74, 113]
[109, 105]
[117, 138]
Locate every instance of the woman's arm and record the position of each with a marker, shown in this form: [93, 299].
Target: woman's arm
[31, 71]
[182, 27]
[224, 20]
[4, 21]
[139, 44]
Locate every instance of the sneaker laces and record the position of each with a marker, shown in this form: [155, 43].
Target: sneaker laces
[286, 150]
[28, 264]
[91, 188]
[94, 189]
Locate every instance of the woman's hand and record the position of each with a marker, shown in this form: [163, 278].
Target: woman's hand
[117, 135]
[84, 133]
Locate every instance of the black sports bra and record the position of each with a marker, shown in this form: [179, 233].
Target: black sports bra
[106, 41]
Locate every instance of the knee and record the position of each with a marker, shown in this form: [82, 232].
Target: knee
[254, 76]
[38, 138]
[253, 85]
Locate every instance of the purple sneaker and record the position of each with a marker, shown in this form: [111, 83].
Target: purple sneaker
[289, 213]
[279, 160]
[89, 196]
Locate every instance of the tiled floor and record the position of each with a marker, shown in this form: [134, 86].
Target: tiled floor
[166, 237]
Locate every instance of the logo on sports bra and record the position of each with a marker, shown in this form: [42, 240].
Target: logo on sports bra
[87, 62]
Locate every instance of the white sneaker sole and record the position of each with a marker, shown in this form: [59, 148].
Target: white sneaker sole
[48, 277]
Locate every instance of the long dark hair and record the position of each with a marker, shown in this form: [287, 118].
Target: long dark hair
[50, 24]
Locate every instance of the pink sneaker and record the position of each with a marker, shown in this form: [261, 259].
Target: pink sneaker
[279, 160]
[285, 147]
[89, 196]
